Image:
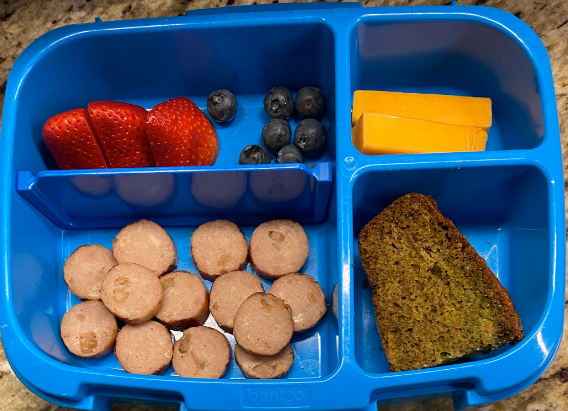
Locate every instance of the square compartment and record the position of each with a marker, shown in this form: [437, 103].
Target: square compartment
[456, 57]
[504, 213]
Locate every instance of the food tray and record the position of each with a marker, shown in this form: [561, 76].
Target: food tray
[507, 200]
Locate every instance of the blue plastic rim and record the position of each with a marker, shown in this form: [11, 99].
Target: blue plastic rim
[507, 200]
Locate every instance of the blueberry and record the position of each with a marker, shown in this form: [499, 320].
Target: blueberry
[222, 105]
[278, 103]
[289, 154]
[254, 155]
[276, 134]
[310, 103]
[310, 137]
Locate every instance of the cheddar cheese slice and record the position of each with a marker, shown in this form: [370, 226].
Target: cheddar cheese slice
[384, 134]
[458, 110]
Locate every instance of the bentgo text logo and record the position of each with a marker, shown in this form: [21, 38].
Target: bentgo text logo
[267, 396]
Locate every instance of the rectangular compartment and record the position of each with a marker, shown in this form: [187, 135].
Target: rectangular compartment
[45, 298]
[451, 55]
[39, 298]
[147, 65]
[502, 211]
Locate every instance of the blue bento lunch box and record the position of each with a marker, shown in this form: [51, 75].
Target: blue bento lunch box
[507, 200]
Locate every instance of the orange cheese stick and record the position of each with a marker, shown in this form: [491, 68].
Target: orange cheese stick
[458, 110]
[383, 134]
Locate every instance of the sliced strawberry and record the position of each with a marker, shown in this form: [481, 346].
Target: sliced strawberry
[72, 141]
[121, 128]
[181, 134]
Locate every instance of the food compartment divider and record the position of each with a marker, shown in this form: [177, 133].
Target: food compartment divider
[180, 196]
[91, 205]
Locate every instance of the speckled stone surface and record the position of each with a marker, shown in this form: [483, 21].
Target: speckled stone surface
[22, 21]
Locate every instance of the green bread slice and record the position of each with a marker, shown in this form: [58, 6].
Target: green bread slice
[435, 299]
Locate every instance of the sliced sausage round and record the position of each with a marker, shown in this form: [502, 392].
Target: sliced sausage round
[89, 329]
[144, 348]
[264, 367]
[228, 293]
[218, 247]
[277, 248]
[186, 300]
[202, 352]
[132, 292]
[263, 324]
[146, 243]
[304, 296]
[85, 270]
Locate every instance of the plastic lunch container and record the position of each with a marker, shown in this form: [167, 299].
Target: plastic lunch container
[507, 200]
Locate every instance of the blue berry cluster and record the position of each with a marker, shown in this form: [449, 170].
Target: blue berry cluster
[310, 136]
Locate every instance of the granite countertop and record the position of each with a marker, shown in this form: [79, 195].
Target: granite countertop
[22, 21]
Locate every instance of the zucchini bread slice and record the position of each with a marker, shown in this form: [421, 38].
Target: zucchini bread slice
[435, 299]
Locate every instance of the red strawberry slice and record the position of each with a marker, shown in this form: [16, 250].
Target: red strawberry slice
[72, 141]
[121, 128]
[181, 134]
